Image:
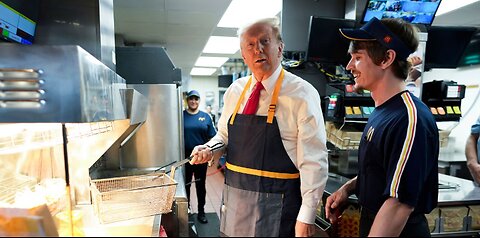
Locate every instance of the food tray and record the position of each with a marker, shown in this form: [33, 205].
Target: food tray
[343, 139]
[350, 140]
[123, 198]
[443, 137]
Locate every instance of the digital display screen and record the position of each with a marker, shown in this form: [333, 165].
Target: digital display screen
[325, 42]
[472, 52]
[416, 12]
[16, 27]
[446, 45]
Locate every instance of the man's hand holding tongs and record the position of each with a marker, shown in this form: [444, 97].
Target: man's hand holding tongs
[204, 153]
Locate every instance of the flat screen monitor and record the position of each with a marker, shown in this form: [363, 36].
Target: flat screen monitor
[16, 27]
[446, 45]
[417, 12]
[325, 42]
[471, 56]
[225, 80]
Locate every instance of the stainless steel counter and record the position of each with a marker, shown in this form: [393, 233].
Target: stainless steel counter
[450, 157]
[454, 195]
[464, 192]
[453, 191]
[334, 182]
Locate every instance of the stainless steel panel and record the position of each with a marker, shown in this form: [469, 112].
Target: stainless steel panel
[87, 23]
[146, 65]
[57, 84]
[461, 191]
[158, 140]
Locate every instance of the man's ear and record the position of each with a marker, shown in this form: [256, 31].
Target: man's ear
[280, 49]
[389, 58]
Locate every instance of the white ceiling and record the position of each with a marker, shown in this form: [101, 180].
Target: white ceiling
[181, 26]
[184, 26]
[468, 15]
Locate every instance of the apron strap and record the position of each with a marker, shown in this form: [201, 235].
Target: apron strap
[261, 173]
[273, 103]
[240, 100]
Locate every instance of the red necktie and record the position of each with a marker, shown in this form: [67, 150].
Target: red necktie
[252, 103]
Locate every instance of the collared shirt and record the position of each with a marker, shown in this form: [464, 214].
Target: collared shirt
[476, 130]
[300, 120]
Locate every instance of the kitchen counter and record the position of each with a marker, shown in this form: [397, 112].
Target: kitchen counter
[334, 182]
[453, 191]
[460, 191]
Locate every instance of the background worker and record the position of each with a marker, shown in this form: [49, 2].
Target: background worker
[472, 149]
[198, 129]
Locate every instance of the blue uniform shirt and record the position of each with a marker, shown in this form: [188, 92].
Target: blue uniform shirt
[476, 130]
[398, 155]
[198, 129]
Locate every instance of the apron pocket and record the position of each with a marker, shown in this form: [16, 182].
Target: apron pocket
[250, 213]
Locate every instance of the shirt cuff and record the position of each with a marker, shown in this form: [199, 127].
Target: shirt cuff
[307, 215]
[213, 141]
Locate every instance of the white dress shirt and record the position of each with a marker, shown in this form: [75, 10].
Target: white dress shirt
[300, 120]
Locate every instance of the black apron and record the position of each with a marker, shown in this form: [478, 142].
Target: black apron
[261, 196]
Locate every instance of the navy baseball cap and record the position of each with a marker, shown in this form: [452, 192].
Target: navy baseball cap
[375, 30]
[193, 93]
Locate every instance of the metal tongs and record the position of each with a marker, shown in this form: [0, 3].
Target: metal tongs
[177, 164]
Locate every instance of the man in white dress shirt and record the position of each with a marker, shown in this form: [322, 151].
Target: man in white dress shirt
[276, 166]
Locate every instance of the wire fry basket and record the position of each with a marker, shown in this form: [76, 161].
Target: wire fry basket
[123, 198]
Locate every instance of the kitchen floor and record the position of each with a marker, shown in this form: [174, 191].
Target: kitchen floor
[214, 186]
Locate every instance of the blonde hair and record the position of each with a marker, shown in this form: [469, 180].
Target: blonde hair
[273, 22]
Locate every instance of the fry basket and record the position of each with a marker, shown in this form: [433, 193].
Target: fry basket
[123, 198]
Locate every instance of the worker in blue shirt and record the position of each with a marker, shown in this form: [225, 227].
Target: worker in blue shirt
[397, 180]
[198, 129]
[472, 149]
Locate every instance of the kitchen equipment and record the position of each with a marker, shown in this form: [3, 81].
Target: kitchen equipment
[177, 164]
[123, 198]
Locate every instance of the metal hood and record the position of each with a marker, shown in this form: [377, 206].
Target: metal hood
[58, 84]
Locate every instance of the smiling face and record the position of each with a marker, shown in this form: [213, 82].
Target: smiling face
[261, 50]
[193, 102]
[364, 70]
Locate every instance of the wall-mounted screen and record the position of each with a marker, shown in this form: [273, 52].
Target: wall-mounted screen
[15, 26]
[225, 80]
[413, 11]
[471, 56]
[446, 45]
[325, 42]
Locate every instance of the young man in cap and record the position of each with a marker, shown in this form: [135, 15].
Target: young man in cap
[397, 181]
[198, 129]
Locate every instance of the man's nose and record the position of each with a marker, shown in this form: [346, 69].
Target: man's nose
[258, 48]
[350, 64]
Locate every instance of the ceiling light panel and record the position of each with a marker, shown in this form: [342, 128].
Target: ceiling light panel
[222, 45]
[235, 16]
[448, 5]
[205, 61]
[203, 71]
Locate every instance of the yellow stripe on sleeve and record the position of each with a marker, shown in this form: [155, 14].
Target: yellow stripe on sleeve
[407, 145]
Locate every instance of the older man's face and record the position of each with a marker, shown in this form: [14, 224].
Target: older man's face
[261, 50]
